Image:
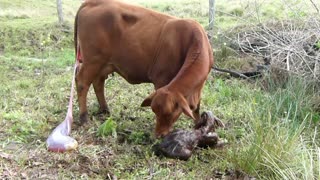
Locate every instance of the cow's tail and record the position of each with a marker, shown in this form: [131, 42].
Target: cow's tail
[75, 38]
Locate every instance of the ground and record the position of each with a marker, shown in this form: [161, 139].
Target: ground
[271, 132]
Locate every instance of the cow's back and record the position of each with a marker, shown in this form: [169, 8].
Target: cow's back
[120, 37]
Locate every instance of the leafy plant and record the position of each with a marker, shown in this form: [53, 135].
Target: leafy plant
[317, 44]
[107, 128]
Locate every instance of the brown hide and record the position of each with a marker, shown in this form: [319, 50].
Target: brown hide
[142, 46]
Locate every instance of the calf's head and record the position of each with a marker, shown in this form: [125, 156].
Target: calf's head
[167, 106]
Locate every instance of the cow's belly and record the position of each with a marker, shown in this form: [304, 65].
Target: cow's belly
[133, 70]
[133, 78]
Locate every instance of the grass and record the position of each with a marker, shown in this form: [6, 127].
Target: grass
[275, 146]
[272, 130]
[28, 27]
[273, 126]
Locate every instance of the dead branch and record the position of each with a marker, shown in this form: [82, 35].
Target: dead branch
[315, 6]
[243, 75]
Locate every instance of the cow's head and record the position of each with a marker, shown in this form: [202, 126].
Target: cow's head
[167, 106]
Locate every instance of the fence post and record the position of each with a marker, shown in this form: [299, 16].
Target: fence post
[211, 14]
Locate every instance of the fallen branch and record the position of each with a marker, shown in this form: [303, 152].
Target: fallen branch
[244, 75]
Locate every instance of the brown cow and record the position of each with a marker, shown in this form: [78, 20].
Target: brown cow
[143, 46]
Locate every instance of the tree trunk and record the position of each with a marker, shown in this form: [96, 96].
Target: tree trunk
[59, 10]
[211, 14]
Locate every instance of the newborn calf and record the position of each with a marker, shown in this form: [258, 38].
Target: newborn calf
[180, 143]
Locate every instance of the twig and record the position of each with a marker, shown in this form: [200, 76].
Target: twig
[315, 6]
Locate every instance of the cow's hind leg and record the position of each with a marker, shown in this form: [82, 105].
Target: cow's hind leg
[85, 76]
[98, 85]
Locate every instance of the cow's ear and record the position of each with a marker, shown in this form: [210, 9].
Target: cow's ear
[185, 107]
[187, 111]
[148, 100]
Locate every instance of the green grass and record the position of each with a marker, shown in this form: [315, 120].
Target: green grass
[270, 133]
[28, 27]
[271, 128]
[275, 143]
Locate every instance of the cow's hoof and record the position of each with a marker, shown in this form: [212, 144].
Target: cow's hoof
[84, 118]
[104, 111]
[102, 114]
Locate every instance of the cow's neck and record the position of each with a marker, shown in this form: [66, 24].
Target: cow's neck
[187, 80]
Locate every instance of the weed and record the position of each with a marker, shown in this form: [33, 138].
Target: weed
[317, 45]
[107, 128]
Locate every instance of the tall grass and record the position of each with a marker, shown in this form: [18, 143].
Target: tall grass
[279, 144]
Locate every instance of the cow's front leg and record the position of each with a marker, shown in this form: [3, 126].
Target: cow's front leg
[98, 85]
